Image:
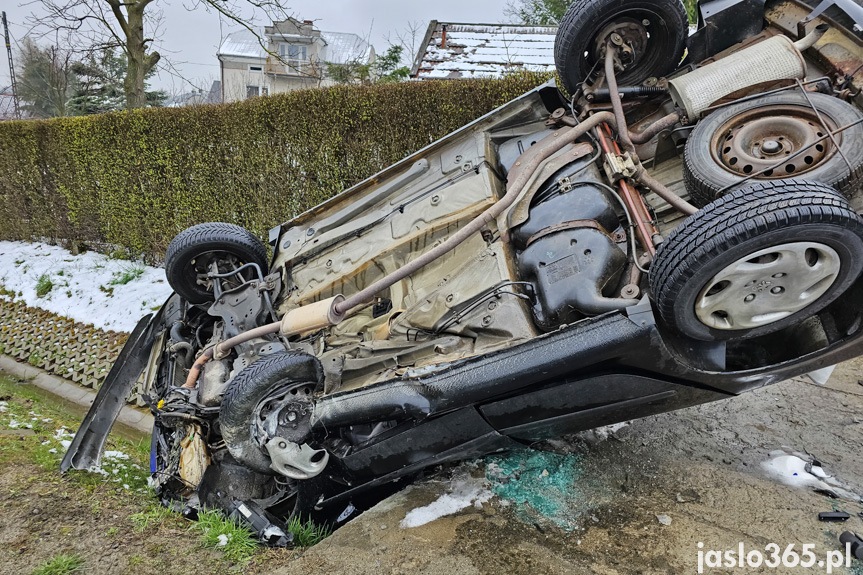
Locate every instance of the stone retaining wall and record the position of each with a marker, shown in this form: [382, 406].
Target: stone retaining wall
[72, 350]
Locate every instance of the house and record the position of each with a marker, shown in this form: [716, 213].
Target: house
[452, 50]
[295, 54]
[197, 97]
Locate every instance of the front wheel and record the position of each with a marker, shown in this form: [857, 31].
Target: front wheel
[272, 396]
[196, 251]
[757, 260]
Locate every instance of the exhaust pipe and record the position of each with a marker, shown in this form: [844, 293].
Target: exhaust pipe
[777, 58]
[809, 39]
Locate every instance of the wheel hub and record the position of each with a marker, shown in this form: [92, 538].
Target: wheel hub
[759, 139]
[629, 34]
[771, 147]
[286, 414]
[767, 286]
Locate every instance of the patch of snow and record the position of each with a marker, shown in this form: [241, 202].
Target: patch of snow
[223, 540]
[115, 455]
[82, 285]
[463, 492]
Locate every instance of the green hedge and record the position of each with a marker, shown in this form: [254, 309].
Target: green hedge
[135, 179]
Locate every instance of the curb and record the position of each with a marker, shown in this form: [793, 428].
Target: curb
[137, 419]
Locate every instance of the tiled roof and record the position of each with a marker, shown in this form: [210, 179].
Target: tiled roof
[484, 50]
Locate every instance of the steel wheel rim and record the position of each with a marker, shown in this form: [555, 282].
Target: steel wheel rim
[761, 138]
[648, 41]
[767, 286]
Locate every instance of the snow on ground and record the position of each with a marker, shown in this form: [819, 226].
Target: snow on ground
[463, 492]
[92, 288]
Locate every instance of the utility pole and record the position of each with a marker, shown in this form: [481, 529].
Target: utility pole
[11, 67]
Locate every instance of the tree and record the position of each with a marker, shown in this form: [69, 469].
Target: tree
[131, 26]
[388, 67]
[46, 79]
[100, 84]
[409, 38]
[536, 12]
[351, 72]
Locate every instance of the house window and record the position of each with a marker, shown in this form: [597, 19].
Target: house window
[252, 91]
[255, 69]
[265, 91]
[293, 51]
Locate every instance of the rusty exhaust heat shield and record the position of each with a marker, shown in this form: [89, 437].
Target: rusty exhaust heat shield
[777, 58]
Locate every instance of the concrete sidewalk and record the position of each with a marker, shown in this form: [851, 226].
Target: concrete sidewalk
[132, 417]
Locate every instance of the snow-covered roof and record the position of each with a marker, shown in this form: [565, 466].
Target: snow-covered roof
[244, 44]
[340, 47]
[483, 50]
[345, 47]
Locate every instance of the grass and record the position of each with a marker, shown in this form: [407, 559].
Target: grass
[691, 10]
[61, 564]
[127, 275]
[27, 407]
[153, 516]
[43, 285]
[127, 516]
[6, 292]
[236, 542]
[308, 533]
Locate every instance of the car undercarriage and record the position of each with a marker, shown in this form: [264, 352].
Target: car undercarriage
[644, 237]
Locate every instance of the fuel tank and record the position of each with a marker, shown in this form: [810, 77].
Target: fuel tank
[568, 251]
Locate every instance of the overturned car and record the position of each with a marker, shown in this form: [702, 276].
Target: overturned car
[681, 227]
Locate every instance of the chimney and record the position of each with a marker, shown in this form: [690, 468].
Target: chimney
[443, 36]
[309, 22]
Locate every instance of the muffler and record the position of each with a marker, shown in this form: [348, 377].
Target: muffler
[777, 58]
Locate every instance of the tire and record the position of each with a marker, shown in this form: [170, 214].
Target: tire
[254, 383]
[761, 220]
[706, 174]
[183, 264]
[586, 19]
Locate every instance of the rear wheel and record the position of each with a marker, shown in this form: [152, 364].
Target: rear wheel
[654, 30]
[757, 260]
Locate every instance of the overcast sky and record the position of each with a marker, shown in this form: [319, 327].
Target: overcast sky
[190, 38]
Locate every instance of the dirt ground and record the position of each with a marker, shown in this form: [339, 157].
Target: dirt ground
[700, 467]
